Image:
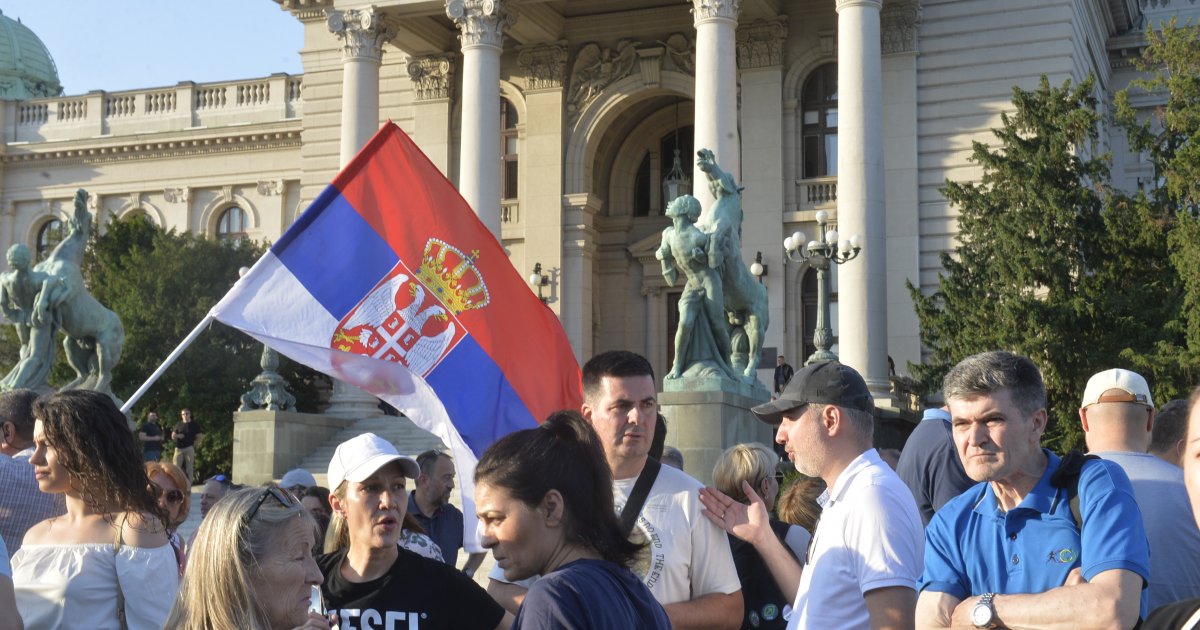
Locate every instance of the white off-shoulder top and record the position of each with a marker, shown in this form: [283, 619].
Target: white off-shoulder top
[75, 586]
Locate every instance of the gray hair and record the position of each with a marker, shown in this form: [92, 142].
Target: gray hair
[986, 373]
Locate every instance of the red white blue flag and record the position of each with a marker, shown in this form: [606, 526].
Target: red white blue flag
[389, 282]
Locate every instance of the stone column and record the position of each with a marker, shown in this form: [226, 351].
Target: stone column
[363, 33]
[862, 295]
[760, 60]
[481, 24]
[580, 252]
[716, 90]
[432, 78]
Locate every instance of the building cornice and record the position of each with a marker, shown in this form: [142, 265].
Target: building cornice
[137, 148]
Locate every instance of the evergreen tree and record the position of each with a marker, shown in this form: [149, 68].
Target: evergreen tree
[1170, 136]
[1045, 256]
[161, 284]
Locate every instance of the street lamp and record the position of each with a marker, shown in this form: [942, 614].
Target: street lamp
[819, 254]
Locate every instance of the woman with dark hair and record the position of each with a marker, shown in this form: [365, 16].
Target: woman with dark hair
[95, 566]
[544, 500]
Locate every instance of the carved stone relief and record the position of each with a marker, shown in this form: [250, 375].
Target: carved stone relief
[362, 31]
[596, 68]
[480, 22]
[543, 65]
[898, 23]
[760, 44]
[708, 9]
[270, 187]
[432, 76]
[176, 195]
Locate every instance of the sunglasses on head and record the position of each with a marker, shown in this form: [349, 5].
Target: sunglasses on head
[222, 478]
[284, 497]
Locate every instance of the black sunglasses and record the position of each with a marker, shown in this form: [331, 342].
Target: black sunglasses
[174, 496]
[284, 497]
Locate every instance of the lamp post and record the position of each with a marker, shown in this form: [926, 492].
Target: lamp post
[820, 253]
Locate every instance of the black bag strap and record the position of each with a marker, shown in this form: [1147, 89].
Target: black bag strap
[1067, 478]
[637, 498]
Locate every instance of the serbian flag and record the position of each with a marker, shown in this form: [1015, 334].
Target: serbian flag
[389, 282]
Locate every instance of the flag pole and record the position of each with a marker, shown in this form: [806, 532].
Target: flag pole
[183, 345]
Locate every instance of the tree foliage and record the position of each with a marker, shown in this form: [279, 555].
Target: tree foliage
[161, 284]
[1170, 137]
[1051, 263]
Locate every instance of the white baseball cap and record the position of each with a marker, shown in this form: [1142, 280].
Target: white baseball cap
[1131, 383]
[297, 477]
[360, 457]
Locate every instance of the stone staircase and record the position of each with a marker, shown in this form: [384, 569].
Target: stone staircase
[408, 438]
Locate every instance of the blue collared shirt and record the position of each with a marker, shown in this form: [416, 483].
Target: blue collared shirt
[445, 527]
[973, 547]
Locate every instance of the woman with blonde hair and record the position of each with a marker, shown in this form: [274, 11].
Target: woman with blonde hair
[369, 577]
[746, 474]
[74, 571]
[251, 567]
[170, 485]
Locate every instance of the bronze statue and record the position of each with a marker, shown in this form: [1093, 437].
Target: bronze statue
[733, 300]
[94, 334]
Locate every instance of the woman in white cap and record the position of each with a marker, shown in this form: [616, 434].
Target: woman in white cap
[372, 581]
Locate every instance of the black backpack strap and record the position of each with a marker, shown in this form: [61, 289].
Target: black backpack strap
[1067, 478]
[637, 498]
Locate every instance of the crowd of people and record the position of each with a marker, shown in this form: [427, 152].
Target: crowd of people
[976, 525]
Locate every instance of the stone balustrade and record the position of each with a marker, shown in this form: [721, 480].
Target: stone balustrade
[188, 105]
[818, 193]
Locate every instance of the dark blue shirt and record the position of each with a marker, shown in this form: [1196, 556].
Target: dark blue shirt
[930, 466]
[973, 547]
[588, 594]
[445, 527]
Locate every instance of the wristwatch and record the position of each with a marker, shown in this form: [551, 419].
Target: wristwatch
[983, 615]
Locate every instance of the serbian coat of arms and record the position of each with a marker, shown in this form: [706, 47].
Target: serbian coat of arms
[412, 319]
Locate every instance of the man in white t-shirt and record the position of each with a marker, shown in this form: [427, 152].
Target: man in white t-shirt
[687, 565]
[867, 553]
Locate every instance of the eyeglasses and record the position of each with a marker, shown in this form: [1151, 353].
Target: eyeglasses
[283, 496]
[174, 496]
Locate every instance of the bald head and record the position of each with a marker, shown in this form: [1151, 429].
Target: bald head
[1117, 426]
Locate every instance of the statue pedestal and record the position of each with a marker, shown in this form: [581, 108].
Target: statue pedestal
[706, 415]
[267, 444]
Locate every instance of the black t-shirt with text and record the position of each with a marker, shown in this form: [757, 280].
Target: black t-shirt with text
[415, 594]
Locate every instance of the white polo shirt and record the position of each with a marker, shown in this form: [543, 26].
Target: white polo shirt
[870, 536]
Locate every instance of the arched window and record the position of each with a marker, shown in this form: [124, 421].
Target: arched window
[49, 235]
[509, 119]
[818, 101]
[643, 193]
[232, 224]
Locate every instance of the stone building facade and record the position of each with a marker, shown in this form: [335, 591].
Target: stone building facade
[559, 120]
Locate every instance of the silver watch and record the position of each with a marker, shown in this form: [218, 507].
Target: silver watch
[983, 615]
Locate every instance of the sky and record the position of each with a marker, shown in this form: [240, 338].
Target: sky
[134, 44]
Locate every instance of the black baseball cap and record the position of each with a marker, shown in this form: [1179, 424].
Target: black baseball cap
[829, 383]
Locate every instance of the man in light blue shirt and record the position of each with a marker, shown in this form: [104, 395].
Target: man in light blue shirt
[1117, 415]
[1010, 551]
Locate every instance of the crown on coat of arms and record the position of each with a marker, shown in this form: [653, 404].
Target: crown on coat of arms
[453, 276]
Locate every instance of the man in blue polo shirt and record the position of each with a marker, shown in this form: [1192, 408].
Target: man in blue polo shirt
[1009, 552]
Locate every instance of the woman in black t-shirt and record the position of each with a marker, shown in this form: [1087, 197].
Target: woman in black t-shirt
[370, 581]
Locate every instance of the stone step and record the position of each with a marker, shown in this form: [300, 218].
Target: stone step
[407, 437]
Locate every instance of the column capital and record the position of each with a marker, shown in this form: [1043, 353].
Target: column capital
[866, 4]
[544, 65]
[432, 76]
[705, 10]
[362, 31]
[480, 22]
[898, 23]
[760, 44]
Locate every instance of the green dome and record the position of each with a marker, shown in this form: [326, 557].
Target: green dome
[26, 68]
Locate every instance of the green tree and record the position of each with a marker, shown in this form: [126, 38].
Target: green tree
[1044, 257]
[161, 284]
[1170, 136]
